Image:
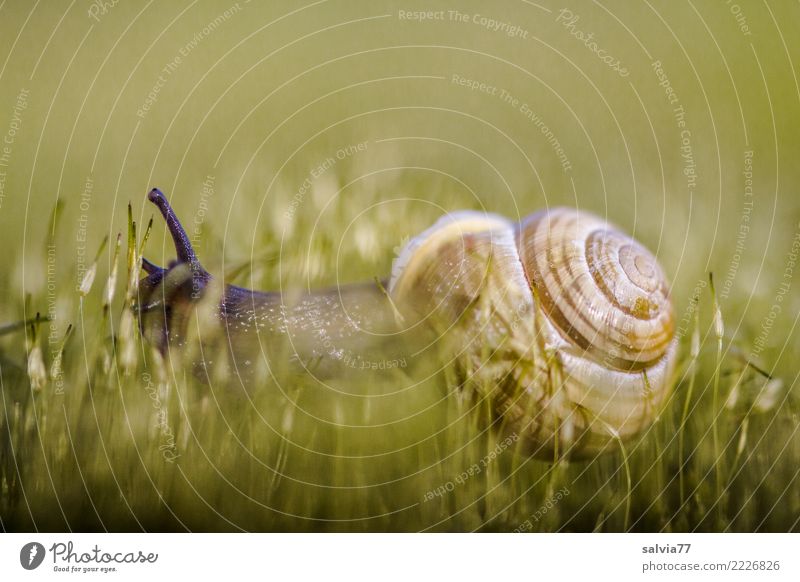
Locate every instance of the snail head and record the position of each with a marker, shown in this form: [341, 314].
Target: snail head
[167, 294]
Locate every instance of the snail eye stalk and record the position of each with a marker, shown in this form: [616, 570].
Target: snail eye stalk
[183, 247]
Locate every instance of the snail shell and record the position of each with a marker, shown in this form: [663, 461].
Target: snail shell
[564, 322]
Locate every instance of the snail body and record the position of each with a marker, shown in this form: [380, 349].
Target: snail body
[563, 323]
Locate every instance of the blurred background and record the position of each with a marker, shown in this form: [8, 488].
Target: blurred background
[302, 144]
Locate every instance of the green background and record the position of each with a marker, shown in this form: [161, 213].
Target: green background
[271, 90]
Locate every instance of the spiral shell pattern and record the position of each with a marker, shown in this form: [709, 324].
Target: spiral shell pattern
[601, 288]
[564, 317]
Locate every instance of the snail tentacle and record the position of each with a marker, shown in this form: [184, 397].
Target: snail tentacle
[150, 268]
[183, 246]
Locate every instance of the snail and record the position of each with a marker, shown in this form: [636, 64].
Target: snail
[561, 321]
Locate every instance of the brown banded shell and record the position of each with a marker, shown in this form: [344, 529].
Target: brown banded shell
[562, 321]
[599, 287]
